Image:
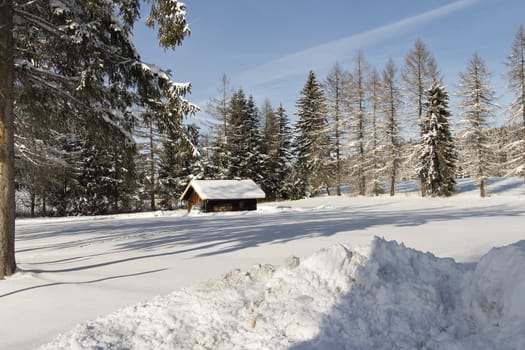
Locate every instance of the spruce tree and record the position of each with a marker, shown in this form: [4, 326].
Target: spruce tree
[244, 141]
[437, 155]
[82, 54]
[234, 157]
[311, 143]
[252, 145]
[179, 163]
[284, 154]
[478, 107]
[419, 73]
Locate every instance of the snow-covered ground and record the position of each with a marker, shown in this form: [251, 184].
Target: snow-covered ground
[294, 275]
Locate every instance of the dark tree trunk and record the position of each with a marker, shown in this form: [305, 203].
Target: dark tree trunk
[7, 184]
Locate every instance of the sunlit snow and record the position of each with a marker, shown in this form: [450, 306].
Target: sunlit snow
[322, 273]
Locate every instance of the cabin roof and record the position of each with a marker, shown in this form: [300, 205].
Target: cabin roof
[224, 189]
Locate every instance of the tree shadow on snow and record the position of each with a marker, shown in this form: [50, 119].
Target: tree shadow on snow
[208, 235]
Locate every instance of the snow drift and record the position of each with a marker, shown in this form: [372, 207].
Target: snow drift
[382, 296]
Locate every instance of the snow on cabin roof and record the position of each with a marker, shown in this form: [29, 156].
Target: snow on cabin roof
[225, 189]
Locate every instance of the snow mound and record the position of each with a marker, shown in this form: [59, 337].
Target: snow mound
[382, 296]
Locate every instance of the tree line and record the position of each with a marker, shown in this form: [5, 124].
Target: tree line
[366, 129]
[361, 129]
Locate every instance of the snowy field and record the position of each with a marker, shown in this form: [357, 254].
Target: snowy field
[307, 274]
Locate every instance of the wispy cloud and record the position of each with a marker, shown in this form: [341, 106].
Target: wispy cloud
[324, 55]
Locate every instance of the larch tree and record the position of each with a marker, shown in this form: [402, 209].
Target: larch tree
[311, 143]
[438, 155]
[419, 73]
[218, 109]
[516, 80]
[357, 103]
[391, 102]
[335, 87]
[477, 103]
[82, 54]
[270, 150]
[375, 144]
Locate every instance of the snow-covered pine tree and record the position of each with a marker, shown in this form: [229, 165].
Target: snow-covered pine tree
[375, 144]
[234, 158]
[418, 74]
[311, 144]
[477, 102]
[357, 104]
[253, 143]
[437, 155]
[391, 101]
[243, 149]
[82, 51]
[178, 165]
[336, 85]
[284, 155]
[516, 78]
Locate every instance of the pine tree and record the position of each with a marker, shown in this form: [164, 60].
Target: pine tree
[477, 102]
[311, 143]
[419, 73]
[516, 77]
[437, 156]
[391, 102]
[336, 92]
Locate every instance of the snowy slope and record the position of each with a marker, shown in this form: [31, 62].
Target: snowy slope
[77, 269]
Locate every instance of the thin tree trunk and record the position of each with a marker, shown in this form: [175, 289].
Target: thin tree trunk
[7, 184]
[33, 200]
[44, 209]
[482, 188]
[152, 167]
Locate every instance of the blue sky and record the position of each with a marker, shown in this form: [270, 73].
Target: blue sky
[268, 47]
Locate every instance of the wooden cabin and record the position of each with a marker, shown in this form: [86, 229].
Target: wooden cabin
[222, 195]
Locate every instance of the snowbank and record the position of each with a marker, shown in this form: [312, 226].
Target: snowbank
[382, 296]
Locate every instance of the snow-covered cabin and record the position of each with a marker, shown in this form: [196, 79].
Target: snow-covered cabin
[222, 195]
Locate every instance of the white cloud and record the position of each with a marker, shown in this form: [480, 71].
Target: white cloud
[324, 55]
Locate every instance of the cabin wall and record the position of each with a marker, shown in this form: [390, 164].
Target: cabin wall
[229, 205]
[193, 200]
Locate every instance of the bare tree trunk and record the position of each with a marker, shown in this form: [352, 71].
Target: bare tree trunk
[7, 183]
[152, 167]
